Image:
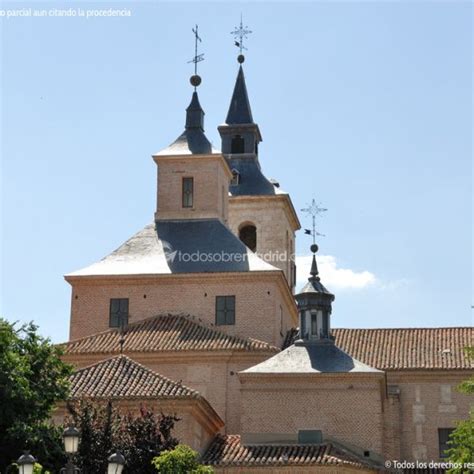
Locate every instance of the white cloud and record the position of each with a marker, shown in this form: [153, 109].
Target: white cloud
[332, 276]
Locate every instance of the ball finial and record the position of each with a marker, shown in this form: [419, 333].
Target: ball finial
[314, 248]
[195, 80]
[240, 58]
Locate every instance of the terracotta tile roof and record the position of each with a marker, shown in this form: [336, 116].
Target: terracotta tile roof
[121, 377]
[166, 333]
[408, 348]
[228, 451]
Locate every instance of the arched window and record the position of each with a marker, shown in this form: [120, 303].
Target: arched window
[248, 235]
[237, 145]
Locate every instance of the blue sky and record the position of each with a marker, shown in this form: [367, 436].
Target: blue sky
[365, 106]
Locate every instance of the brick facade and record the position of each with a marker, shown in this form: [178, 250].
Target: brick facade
[264, 307]
[276, 223]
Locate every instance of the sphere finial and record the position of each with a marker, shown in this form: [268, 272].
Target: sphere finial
[240, 58]
[195, 80]
[314, 248]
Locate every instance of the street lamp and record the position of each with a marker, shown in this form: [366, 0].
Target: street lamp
[116, 463]
[26, 463]
[71, 445]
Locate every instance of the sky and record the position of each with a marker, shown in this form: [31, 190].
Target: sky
[363, 106]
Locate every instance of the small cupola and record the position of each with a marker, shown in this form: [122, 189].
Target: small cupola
[314, 304]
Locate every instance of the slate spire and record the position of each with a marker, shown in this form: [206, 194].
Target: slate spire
[194, 114]
[239, 109]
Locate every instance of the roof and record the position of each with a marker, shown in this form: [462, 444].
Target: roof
[252, 181]
[311, 358]
[229, 451]
[121, 377]
[192, 141]
[405, 348]
[164, 247]
[239, 108]
[169, 333]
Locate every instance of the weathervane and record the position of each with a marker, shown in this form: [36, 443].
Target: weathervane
[240, 33]
[196, 80]
[313, 210]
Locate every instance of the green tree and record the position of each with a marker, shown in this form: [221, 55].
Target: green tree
[180, 460]
[139, 437]
[462, 438]
[32, 380]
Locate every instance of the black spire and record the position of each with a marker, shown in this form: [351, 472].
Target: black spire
[239, 109]
[194, 114]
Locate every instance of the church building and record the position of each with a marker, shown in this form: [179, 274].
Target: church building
[188, 317]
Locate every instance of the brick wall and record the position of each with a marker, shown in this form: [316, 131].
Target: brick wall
[211, 185]
[275, 228]
[427, 401]
[262, 310]
[346, 408]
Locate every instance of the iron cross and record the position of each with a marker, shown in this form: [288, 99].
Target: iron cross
[197, 57]
[313, 210]
[240, 33]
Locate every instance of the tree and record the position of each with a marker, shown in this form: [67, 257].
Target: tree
[181, 460]
[32, 380]
[104, 430]
[461, 439]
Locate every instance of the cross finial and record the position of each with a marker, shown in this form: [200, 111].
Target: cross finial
[240, 33]
[196, 80]
[313, 210]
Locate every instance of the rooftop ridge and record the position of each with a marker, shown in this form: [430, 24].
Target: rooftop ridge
[171, 323]
[178, 389]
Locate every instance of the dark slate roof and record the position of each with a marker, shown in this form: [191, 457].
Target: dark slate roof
[405, 348]
[252, 182]
[311, 358]
[192, 141]
[159, 249]
[167, 333]
[121, 377]
[239, 109]
[229, 451]
[314, 285]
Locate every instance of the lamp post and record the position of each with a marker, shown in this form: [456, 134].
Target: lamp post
[26, 463]
[71, 444]
[116, 463]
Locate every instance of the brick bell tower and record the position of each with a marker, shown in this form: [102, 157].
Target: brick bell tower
[193, 178]
[260, 213]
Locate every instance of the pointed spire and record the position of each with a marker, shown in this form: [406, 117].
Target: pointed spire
[239, 109]
[194, 114]
[314, 266]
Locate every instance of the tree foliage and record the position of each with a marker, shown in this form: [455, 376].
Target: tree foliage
[104, 430]
[462, 438]
[180, 460]
[32, 380]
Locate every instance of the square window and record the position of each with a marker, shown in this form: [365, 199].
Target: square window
[118, 315]
[225, 310]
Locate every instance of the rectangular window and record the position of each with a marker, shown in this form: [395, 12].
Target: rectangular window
[314, 324]
[443, 438]
[310, 437]
[225, 310]
[188, 191]
[118, 317]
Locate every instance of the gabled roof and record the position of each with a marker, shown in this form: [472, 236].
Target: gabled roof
[404, 348]
[239, 108]
[229, 451]
[167, 333]
[311, 358]
[121, 377]
[165, 247]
